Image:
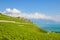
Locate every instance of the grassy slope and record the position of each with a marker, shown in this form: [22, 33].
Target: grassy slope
[11, 31]
[4, 17]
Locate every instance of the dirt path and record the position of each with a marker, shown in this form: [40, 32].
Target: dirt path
[12, 22]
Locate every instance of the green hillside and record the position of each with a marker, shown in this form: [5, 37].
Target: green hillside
[17, 28]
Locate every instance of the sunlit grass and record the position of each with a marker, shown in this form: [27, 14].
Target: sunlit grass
[13, 31]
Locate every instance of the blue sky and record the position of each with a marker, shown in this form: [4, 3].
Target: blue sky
[41, 12]
[46, 7]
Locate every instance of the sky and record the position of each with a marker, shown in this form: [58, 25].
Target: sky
[35, 9]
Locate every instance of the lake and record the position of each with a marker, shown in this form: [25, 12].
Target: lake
[51, 27]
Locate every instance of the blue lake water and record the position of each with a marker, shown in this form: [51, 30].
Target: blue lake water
[51, 27]
[47, 25]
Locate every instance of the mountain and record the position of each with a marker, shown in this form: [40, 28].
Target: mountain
[17, 28]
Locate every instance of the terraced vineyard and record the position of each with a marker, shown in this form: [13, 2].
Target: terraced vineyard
[12, 28]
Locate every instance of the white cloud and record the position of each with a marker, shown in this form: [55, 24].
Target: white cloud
[37, 16]
[12, 10]
[17, 13]
[8, 10]
[56, 18]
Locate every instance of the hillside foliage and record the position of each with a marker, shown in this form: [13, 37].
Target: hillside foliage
[25, 31]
